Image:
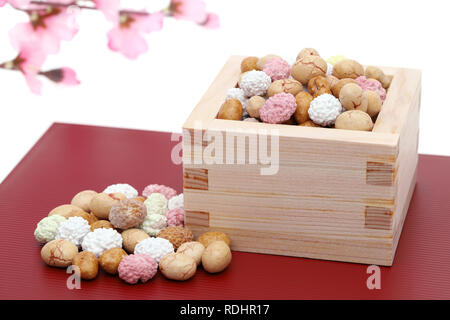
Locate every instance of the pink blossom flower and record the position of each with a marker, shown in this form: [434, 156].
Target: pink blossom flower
[66, 76]
[126, 37]
[110, 8]
[46, 28]
[212, 21]
[29, 62]
[69, 77]
[15, 3]
[33, 83]
[193, 10]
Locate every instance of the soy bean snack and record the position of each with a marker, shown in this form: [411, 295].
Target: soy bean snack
[311, 75]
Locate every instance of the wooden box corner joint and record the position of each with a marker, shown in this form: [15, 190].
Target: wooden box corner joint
[378, 218]
[380, 173]
[194, 178]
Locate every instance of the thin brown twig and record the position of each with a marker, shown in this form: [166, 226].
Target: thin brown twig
[75, 4]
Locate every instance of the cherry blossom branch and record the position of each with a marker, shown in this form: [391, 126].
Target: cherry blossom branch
[51, 22]
[59, 4]
[76, 5]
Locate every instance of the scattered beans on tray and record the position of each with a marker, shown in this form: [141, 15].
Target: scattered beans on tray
[128, 235]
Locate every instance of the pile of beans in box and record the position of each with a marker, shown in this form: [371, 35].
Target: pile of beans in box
[312, 92]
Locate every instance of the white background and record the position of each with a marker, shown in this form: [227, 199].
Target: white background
[158, 91]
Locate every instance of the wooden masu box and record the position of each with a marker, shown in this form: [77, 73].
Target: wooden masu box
[337, 195]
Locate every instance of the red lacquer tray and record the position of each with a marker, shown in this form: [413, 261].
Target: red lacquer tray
[70, 158]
